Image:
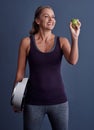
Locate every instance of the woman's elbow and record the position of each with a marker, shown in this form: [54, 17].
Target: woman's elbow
[19, 77]
[73, 62]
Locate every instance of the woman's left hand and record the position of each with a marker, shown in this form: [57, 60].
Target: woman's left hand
[75, 31]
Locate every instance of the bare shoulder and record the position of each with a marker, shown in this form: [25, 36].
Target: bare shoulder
[25, 42]
[63, 41]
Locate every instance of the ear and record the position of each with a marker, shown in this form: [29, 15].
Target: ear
[37, 21]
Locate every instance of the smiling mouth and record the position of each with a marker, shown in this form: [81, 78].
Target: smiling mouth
[50, 24]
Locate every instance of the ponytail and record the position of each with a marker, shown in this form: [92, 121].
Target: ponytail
[35, 28]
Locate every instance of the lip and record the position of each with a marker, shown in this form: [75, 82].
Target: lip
[50, 23]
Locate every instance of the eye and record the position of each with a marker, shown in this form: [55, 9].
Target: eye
[46, 16]
[53, 17]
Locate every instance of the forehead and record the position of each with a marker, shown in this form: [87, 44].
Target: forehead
[47, 11]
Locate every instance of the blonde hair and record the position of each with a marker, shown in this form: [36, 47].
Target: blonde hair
[35, 26]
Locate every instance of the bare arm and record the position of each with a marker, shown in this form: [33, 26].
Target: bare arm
[22, 58]
[71, 51]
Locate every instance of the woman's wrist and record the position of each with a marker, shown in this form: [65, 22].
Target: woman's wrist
[75, 39]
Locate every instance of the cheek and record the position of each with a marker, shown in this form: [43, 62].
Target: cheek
[43, 21]
[54, 22]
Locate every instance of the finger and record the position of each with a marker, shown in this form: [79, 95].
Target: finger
[16, 110]
[71, 27]
[79, 23]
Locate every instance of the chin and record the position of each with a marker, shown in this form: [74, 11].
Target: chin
[50, 28]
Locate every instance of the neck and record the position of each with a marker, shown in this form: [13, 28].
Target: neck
[44, 35]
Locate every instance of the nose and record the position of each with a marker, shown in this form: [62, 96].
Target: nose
[50, 18]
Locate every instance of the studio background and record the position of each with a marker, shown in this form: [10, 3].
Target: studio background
[16, 18]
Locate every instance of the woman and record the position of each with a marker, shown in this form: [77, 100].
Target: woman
[44, 51]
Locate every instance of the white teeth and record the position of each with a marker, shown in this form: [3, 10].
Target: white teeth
[50, 23]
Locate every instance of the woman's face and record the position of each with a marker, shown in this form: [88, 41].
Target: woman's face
[46, 19]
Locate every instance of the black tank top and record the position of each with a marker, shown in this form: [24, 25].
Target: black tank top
[46, 85]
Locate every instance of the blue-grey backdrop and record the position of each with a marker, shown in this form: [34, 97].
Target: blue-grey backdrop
[15, 22]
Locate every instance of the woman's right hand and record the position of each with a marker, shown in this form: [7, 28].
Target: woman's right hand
[75, 31]
[16, 109]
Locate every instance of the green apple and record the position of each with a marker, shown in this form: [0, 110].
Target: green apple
[74, 22]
